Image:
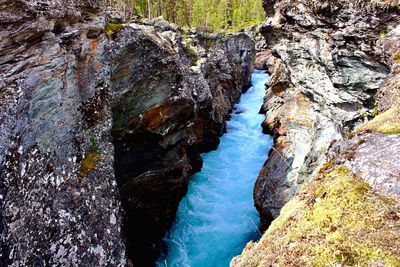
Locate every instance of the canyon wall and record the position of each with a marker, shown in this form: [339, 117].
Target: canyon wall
[326, 68]
[101, 129]
[332, 105]
[172, 96]
[59, 197]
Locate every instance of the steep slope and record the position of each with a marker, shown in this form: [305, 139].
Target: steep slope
[166, 111]
[326, 68]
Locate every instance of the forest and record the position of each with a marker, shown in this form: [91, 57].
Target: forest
[206, 15]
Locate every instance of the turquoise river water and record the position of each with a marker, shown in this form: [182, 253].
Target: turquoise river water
[217, 217]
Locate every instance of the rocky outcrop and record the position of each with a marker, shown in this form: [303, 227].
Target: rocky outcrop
[345, 155]
[168, 106]
[333, 113]
[59, 203]
[92, 114]
[326, 67]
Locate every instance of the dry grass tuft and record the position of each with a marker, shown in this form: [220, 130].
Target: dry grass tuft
[387, 122]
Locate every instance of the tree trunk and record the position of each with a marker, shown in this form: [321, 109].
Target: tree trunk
[149, 4]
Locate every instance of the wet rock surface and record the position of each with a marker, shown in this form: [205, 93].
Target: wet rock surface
[91, 120]
[327, 64]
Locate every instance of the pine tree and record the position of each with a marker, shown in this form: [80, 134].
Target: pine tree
[207, 15]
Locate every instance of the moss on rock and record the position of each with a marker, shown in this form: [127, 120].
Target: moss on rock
[336, 219]
[89, 162]
[396, 57]
[111, 28]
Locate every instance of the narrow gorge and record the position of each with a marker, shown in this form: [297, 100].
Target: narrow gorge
[217, 216]
[130, 140]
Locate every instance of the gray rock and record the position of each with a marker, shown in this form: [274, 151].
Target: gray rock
[89, 121]
[59, 199]
[326, 68]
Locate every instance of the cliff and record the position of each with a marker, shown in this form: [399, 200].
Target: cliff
[331, 105]
[171, 98]
[96, 117]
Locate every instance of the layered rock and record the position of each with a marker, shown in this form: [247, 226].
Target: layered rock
[59, 203]
[346, 212]
[326, 67]
[90, 115]
[168, 106]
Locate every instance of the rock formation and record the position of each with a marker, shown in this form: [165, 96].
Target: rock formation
[332, 105]
[92, 118]
[326, 67]
[59, 203]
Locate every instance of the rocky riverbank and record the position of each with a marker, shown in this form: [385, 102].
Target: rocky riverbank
[330, 104]
[93, 116]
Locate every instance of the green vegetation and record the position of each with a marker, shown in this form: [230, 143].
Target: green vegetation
[383, 33]
[92, 157]
[372, 113]
[111, 28]
[207, 15]
[337, 219]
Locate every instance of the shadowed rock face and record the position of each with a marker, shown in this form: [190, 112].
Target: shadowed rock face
[165, 113]
[326, 65]
[87, 120]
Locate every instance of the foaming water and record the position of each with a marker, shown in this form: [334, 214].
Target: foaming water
[217, 217]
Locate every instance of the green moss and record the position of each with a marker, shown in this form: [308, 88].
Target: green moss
[92, 157]
[337, 219]
[383, 33]
[192, 54]
[111, 28]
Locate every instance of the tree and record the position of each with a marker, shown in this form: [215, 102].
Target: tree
[211, 15]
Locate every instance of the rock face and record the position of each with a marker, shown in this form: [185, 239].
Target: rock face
[326, 67]
[59, 203]
[321, 90]
[166, 112]
[89, 120]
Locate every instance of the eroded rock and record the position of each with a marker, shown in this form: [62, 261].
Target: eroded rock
[165, 114]
[327, 65]
[59, 203]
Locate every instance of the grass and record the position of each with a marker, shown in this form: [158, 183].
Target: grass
[336, 220]
[387, 122]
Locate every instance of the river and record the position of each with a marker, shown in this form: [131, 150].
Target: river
[217, 217]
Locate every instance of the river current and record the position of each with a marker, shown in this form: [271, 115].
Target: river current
[217, 217]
